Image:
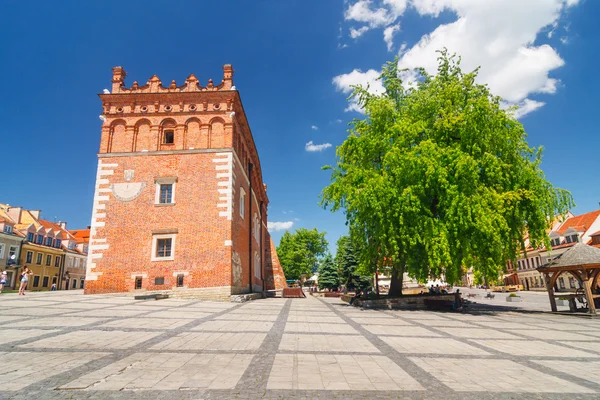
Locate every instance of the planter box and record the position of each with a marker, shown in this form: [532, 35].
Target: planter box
[562, 303]
[513, 299]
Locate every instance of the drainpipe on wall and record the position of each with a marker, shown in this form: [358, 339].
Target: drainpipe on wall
[250, 226]
[262, 255]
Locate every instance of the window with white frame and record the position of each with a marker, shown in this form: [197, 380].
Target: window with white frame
[48, 260]
[57, 261]
[242, 202]
[29, 258]
[48, 241]
[163, 247]
[77, 263]
[39, 239]
[1, 251]
[30, 236]
[555, 242]
[57, 243]
[71, 246]
[39, 259]
[574, 238]
[8, 229]
[12, 251]
[165, 190]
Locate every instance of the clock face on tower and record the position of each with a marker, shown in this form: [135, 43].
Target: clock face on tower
[127, 191]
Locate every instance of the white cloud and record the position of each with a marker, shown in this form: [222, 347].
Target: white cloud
[356, 33]
[527, 106]
[388, 35]
[310, 146]
[314, 127]
[344, 84]
[361, 12]
[339, 121]
[279, 226]
[496, 35]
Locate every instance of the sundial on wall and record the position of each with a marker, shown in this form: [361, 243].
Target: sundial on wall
[127, 191]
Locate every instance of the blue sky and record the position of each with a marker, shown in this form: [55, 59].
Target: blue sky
[294, 62]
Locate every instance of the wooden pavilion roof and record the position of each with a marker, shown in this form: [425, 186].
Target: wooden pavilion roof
[580, 256]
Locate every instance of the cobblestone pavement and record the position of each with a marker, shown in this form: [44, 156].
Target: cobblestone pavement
[63, 345]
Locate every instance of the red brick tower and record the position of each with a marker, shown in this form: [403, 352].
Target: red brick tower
[179, 204]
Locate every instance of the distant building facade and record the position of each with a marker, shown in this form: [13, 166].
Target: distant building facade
[180, 204]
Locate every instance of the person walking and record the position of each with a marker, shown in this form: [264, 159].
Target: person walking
[24, 280]
[3, 279]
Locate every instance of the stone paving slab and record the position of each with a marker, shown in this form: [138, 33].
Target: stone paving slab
[34, 367]
[146, 323]
[531, 348]
[114, 312]
[594, 347]
[494, 376]
[248, 317]
[15, 335]
[338, 372]
[420, 345]
[299, 318]
[54, 322]
[384, 320]
[178, 313]
[400, 330]
[234, 326]
[319, 327]
[588, 370]
[297, 342]
[166, 371]
[93, 339]
[557, 335]
[195, 341]
[478, 333]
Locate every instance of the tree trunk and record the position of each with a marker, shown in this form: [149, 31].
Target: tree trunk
[396, 283]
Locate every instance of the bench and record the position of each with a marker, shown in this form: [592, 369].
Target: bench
[489, 296]
[157, 296]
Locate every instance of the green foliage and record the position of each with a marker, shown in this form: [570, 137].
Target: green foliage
[346, 260]
[439, 177]
[299, 252]
[328, 274]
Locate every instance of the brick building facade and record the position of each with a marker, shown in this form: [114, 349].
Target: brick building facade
[179, 203]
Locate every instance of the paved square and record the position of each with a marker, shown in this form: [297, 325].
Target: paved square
[483, 376]
[63, 345]
[338, 372]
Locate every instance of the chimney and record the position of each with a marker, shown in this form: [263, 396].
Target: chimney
[118, 79]
[62, 225]
[35, 213]
[15, 213]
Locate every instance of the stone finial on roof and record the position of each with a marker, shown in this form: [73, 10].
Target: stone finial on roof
[118, 79]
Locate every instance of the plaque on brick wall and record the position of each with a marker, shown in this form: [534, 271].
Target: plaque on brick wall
[159, 281]
[127, 191]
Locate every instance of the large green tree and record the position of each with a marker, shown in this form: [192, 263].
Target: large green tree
[329, 277]
[438, 177]
[300, 251]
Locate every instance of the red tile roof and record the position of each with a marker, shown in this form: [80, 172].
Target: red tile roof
[81, 235]
[579, 223]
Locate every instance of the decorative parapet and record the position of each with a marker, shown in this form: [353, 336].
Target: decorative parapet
[154, 84]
